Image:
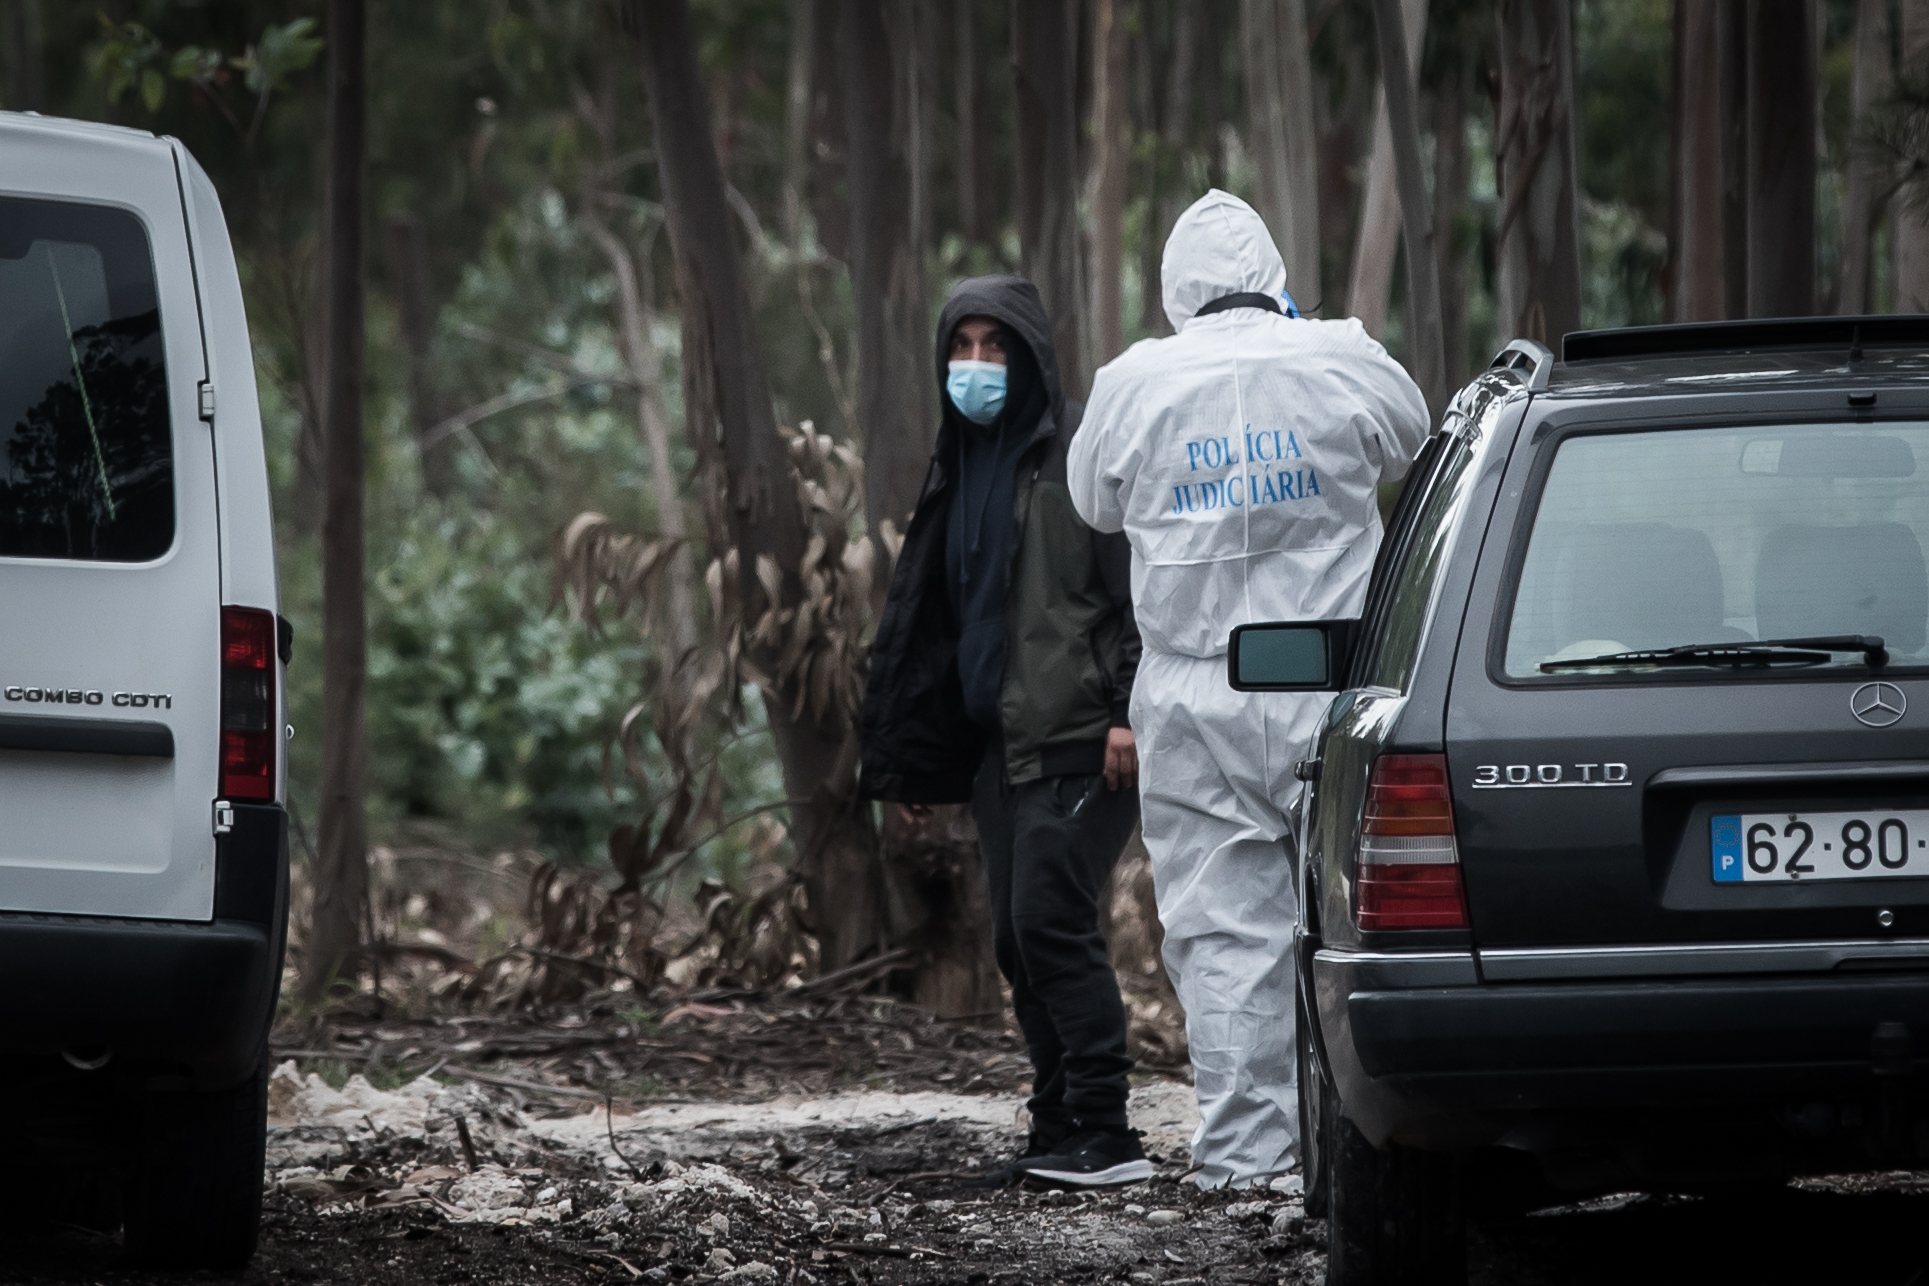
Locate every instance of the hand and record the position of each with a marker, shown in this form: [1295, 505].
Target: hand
[1121, 760]
[914, 814]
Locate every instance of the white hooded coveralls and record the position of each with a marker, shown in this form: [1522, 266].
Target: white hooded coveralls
[1241, 457]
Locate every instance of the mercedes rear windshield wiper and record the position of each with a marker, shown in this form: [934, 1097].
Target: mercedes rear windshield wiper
[1762, 653]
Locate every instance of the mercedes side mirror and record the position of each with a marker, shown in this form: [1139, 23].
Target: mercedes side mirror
[1300, 656]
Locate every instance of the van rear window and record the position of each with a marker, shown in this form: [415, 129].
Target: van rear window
[1686, 537]
[86, 461]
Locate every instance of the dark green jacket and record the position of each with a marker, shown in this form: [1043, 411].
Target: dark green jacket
[1072, 646]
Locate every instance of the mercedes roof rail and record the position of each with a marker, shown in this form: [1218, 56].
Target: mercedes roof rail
[1529, 360]
[1761, 334]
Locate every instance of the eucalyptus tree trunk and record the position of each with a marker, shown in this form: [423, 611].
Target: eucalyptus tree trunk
[1283, 133]
[1912, 224]
[896, 397]
[1862, 208]
[1700, 241]
[24, 88]
[1108, 180]
[1416, 210]
[1732, 21]
[341, 874]
[1782, 90]
[972, 180]
[1539, 294]
[1170, 192]
[753, 508]
[799, 95]
[415, 315]
[1044, 36]
[1452, 176]
[1369, 288]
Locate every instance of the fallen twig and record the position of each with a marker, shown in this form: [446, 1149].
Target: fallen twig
[879, 1248]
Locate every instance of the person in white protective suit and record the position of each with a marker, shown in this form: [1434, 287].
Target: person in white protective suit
[1241, 457]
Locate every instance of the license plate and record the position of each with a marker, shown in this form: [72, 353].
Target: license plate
[1752, 848]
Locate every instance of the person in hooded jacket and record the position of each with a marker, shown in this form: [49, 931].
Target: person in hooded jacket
[1001, 675]
[1242, 456]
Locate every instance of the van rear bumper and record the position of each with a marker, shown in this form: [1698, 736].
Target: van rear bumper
[186, 998]
[166, 999]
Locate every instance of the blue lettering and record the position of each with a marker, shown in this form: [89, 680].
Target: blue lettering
[1192, 456]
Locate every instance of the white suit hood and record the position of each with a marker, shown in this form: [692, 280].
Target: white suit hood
[1219, 246]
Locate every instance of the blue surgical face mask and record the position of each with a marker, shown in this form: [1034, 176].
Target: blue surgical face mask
[977, 389]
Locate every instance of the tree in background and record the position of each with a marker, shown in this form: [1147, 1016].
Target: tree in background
[1781, 63]
[1537, 233]
[1416, 209]
[1044, 62]
[1700, 231]
[1282, 134]
[341, 875]
[1369, 290]
[1912, 218]
[1862, 206]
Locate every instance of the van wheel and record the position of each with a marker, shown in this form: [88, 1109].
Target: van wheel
[1312, 1143]
[194, 1197]
[1393, 1215]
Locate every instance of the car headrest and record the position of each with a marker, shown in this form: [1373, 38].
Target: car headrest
[1868, 579]
[1639, 585]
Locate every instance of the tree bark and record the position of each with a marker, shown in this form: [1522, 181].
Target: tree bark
[799, 97]
[1911, 226]
[1369, 289]
[1731, 67]
[1700, 251]
[1045, 46]
[25, 87]
[415, 313]
[754, 508]
[1781, 158]
[1539, 292]
[1862, 206]
[1171, 190]
[644, 362]
[341, 875]
[1283, 134]
[896, 401]
[1452, 176]
[1108, 180]
[973, 179]
[1416, 210]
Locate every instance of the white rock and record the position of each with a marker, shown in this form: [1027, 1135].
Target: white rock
[1163, 1218]
[1285, 1222]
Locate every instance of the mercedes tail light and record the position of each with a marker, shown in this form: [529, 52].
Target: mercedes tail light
[1409, 876]
[247, 703]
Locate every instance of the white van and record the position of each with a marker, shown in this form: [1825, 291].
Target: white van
[143, 838]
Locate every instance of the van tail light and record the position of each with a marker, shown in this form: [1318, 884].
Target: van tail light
[1409, 875]
[247, 703]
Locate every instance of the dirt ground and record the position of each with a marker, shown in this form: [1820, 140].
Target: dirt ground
[837, 1143]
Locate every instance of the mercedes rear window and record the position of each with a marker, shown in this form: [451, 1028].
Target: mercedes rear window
[86, 467]
[1679, 538]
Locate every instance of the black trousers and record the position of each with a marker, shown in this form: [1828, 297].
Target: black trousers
[1047, 858]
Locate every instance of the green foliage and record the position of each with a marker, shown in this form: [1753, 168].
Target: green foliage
[128, 57]
[487, 711]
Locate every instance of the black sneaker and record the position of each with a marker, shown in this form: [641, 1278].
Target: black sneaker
[1104, 1157]
[1039, 1144]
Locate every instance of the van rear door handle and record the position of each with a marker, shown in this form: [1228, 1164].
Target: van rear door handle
[138, 738]
[1306, 770]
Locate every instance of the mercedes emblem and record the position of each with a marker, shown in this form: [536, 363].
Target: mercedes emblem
[1878, 705]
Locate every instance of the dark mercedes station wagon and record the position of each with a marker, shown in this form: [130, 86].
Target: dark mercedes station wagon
[1615, 852]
